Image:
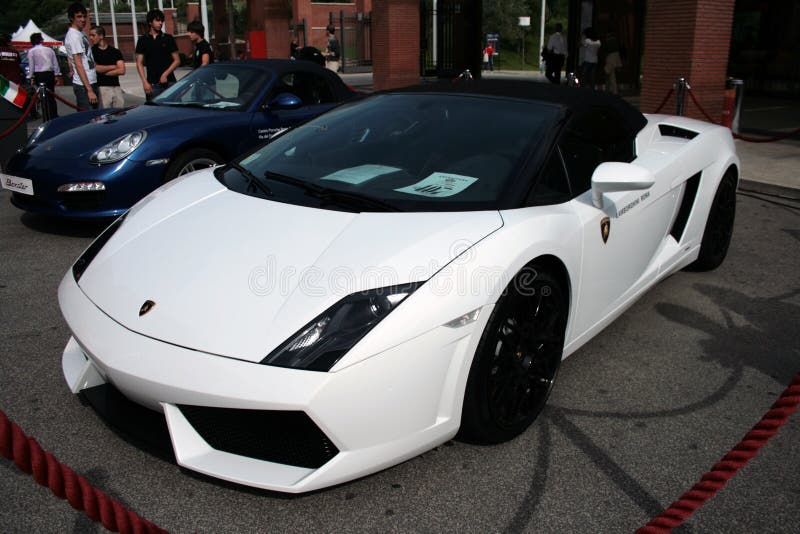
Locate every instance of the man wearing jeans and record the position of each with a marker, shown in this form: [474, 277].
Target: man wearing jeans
[84, 77]
[158, 52]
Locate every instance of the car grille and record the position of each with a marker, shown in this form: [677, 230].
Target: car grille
[284, 437]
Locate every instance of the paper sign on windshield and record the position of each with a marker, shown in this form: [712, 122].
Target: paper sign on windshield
[360, 174]
[439, 184]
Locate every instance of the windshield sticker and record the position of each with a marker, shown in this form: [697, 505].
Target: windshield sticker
[360, 174]
[439, 184]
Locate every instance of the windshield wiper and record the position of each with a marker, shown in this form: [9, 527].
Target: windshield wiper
[323, 193]
[252, 179]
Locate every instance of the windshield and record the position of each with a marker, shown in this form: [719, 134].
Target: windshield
[220, 86]
[413, 152]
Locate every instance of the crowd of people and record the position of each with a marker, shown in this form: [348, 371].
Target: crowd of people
[590, 52]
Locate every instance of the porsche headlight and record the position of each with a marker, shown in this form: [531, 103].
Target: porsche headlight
[119, 148]
[322, 342]
[37, 133]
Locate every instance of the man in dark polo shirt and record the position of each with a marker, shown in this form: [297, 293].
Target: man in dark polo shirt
[158, 52]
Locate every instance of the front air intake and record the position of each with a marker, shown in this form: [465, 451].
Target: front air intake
[284, 437]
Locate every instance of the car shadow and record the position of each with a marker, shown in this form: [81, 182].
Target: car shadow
[64, 227]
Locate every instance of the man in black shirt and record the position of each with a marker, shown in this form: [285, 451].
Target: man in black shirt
[109, 66]
[157, 51]
[203, 54]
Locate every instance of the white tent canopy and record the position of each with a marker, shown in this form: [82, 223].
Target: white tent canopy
[22, 37]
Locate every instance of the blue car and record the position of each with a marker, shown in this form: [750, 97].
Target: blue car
[97, 164]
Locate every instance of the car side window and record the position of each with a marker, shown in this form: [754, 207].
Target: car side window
[309, 87]
[553, 185]
[592, 138]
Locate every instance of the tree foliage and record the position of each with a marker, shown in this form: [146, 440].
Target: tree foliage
[502, 16]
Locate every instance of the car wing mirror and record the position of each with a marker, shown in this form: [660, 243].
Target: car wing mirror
[284, 101]
[616, 176]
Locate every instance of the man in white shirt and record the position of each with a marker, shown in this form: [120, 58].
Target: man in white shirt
[43, 69]
[556, 53]
[84, 77]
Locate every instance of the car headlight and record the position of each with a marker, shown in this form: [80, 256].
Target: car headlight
[119, 148]
[88, 255]
[322, 342]
[37, 133]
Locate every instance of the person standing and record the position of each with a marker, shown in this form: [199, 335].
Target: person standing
[613, 62]
[84, 77]
[333, 53]
[109, 66]
[591, 47]
[556, 53]
[43, 69]
[10, 64]
[158, 52]
[488, 52]
[203, 54]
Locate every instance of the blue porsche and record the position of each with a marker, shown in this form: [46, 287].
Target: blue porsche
[97, 164]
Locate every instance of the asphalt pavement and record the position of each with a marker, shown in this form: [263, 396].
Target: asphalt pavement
[636, 417]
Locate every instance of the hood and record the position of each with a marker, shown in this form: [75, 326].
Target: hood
[236, 275]
[83, 139]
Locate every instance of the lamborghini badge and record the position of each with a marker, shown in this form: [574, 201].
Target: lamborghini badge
[605, 229]
[146, 307]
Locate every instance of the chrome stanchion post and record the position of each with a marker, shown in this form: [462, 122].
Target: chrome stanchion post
[572, 80]
[682, 86]
[44, 102]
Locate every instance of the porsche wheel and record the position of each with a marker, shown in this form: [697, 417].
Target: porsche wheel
[719, 226]
[192, 160]
[517, 359]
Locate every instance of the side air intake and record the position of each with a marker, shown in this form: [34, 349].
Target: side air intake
[667, 130]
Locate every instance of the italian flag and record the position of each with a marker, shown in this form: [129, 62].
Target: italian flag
[12, 92]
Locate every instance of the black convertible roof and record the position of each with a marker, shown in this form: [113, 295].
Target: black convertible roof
[568, 98]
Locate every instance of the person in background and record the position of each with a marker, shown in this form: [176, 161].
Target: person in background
[556, 53]
[613, 62]
[333, 53]
[43, 68]
[591, 46]
[156, 50]
[109, 66]
[84, 77]
[488, 52]
[203, 54]
[10, 64]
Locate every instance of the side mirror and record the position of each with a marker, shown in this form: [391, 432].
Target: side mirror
[615, 176]
[285, 101]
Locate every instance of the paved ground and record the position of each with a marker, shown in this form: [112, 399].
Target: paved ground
[637, 415]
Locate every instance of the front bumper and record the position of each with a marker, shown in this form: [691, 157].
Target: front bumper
[126, 182]
[376, 413]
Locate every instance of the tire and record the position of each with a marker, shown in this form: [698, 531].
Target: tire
[517, 359]
[191, 160]
[719, 226]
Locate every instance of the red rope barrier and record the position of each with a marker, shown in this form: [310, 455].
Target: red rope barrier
[31, 102]
[744, 137]
[26, 453]
[67, 102]
[661, 105]
[713, 481]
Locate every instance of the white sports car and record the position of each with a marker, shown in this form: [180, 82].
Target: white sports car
[393, 273]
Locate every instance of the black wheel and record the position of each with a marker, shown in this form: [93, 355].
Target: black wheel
[192, 160]
[515, 365]
[719, 226]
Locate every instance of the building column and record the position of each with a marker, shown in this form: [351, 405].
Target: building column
[686, 39]
[395, 43]
[276, 28]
